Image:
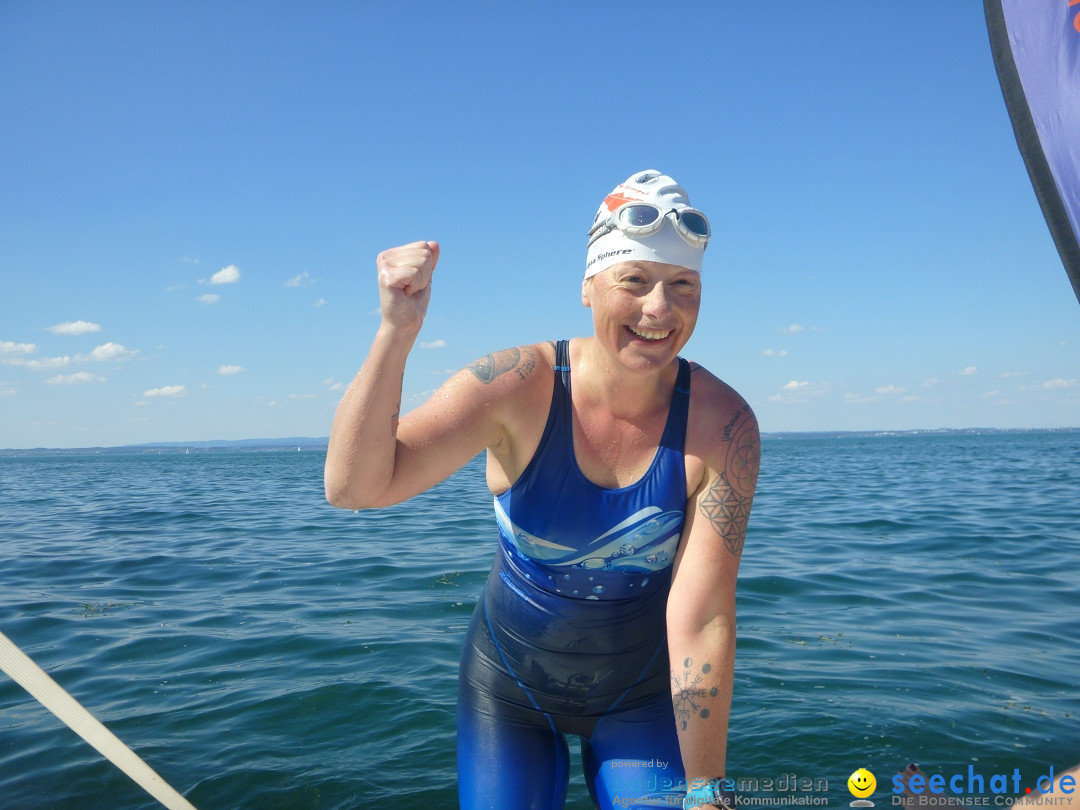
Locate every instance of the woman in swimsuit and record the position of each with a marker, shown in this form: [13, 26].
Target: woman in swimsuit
[621, 502]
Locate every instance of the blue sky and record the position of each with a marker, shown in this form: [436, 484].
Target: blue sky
[192, 197]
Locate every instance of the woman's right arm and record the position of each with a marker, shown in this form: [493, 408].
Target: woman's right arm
[368, 464]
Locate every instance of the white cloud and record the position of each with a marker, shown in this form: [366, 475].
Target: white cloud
[74, 328]
[794, 329]
[106, 352]
[1060, 383]
[78, 378]
[334, 385]
[7, 391]
[889, 389]
[417, 399]
[434, 344]
[931, 382]
[225, 370]
[800, 391]
[15, 351]
[970, 371]
[226, 275]
[774, 353]
[302, 280]
[209, 298]
[47, 363]
[301, 396]
[166, 391]
[320, 303]
[1008, 375]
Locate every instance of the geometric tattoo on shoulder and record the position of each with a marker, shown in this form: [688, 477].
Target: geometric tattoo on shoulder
[726, 504]
[687, 694]
[743, 452]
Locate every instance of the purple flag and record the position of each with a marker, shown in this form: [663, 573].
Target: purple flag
[1036, 47]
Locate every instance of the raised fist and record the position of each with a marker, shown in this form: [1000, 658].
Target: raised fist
[405, 284]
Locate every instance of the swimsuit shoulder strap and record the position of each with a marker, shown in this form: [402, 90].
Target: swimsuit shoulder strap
[682, 381]
[562, 359]
[675, 430]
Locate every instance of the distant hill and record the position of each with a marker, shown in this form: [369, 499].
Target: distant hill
[292, 444]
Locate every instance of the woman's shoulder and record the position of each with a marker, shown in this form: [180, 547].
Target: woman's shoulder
[714, 405]
[517, 368]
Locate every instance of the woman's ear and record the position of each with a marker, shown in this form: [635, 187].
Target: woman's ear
[585, 292]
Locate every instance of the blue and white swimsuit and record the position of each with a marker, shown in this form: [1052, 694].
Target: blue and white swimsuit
[570, 633]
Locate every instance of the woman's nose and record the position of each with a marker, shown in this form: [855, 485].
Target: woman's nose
[656, 301]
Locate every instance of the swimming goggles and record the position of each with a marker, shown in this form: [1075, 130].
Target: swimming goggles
[642, 218]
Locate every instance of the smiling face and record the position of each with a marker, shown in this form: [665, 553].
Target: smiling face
[643, 312]
[861, 783]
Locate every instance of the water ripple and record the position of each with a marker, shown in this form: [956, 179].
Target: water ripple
[900, 598]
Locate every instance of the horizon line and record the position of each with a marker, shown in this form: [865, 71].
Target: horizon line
[321, 442]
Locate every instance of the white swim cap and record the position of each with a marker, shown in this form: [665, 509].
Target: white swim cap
[664, 243]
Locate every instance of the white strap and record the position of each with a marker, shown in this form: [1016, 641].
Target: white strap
[51, 695]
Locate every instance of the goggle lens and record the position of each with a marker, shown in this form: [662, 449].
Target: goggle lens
[695, 223]
[637, 216]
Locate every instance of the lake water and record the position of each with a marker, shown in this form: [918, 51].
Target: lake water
[901, 598]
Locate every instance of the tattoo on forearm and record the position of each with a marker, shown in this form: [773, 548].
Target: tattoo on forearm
[520, 361]
[397, 411]
[687, 693]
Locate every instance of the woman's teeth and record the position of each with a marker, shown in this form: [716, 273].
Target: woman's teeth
[649, 334]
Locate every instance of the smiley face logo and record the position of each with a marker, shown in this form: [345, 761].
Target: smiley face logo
[861, 783]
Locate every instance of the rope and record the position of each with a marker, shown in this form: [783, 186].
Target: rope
[52, 696]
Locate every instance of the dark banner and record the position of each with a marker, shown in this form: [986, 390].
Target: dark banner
[1036, 47]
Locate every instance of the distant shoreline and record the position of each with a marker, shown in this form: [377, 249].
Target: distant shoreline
[301, 444]
[306, 444]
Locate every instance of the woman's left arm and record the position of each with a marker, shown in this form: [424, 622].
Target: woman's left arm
[701, 606]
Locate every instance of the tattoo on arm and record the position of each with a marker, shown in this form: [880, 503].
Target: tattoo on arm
[687, 693]
[397, 411]
[519, 361]
[728, 512]
[726, 504]
[744, 451]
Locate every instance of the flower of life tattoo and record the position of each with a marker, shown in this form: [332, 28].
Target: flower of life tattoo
[727, 503]
[728, 512]
[685, 693]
